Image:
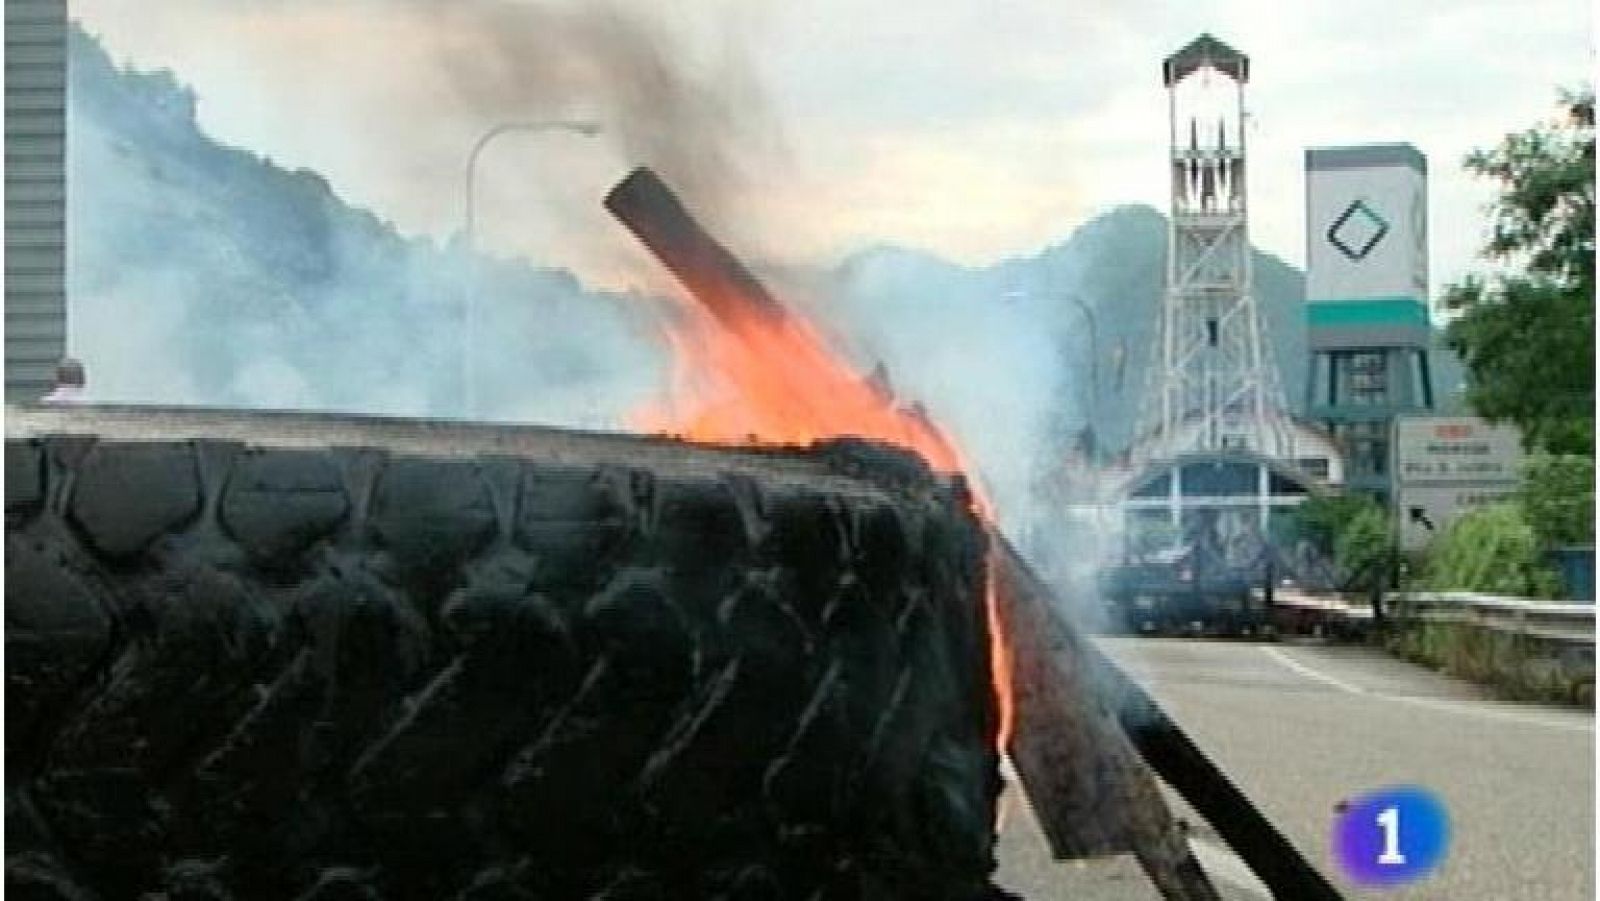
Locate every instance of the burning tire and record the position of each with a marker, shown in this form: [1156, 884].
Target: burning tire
[543, 666]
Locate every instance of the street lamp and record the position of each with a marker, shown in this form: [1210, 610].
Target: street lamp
[582, 127]
[1094, 347]
[1094, 350]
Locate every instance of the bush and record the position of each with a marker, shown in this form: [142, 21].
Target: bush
[1323, 516]
[1354, 529]
[1491, 550]
[1365, 544]
[1557, 498]
[1518, 667]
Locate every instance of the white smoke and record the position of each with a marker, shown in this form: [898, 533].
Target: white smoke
[203, 275]
[199, 274]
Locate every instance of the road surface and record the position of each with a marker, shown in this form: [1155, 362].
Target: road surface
[1300, 727]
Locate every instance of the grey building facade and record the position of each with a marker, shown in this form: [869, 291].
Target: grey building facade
[36, 195]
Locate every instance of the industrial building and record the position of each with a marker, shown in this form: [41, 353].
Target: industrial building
[1367, 300]
[36, 192]
[1219, 456]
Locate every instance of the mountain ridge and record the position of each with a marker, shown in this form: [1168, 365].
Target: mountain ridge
[206, 274]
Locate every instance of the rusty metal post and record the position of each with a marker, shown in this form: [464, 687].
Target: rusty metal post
[1081, 724]
[712, 275]
[1084, 780]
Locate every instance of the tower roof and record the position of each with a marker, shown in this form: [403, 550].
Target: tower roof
[1206, 50]
[1365, 156]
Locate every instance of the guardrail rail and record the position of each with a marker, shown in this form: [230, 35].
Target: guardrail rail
[1563, 621]
[1567, 621]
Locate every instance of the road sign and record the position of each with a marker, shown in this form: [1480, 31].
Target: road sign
[1445, 466]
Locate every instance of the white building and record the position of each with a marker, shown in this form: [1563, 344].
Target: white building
[1367, 299]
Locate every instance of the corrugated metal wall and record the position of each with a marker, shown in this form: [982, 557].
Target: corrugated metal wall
[36, 137]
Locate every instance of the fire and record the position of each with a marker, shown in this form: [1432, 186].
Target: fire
[774, 379]
[762, 375]
[999, 655]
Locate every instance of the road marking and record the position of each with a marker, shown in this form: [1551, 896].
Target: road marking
[1217, 860]
[1312, 674]
[1223, 865]
[1441, 704]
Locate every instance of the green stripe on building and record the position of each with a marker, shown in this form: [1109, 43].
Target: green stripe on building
[1373, 311]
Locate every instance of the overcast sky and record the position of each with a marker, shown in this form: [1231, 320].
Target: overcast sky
[977, 129]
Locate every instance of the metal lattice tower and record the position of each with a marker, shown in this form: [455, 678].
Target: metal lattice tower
[1215, 387]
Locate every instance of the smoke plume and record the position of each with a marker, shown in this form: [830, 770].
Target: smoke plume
[203, 274]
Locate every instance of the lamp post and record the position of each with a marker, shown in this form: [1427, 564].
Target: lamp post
[1087, 313]
[1094, 373]
[582, 127]
[1094, 352]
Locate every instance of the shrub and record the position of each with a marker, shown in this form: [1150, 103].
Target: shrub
[1354, 529]
[1492, 550]
[1557, 498]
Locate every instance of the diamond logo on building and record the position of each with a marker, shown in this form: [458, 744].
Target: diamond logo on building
[1357, 230]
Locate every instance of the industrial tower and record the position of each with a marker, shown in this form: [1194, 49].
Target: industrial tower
[1215, 386]
[1367, 300]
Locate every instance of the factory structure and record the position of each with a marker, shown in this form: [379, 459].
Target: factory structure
[1220, 448]
[1219, 457]
[1216, 390]
[1222, 456]
[1367, 300]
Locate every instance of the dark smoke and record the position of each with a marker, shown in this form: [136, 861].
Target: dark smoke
[701, 127]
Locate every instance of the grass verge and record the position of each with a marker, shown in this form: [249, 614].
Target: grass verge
[1518, 667]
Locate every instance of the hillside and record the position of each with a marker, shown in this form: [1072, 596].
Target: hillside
[1113, 264]
[204, 274]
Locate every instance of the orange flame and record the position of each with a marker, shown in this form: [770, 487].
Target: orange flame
[999, 655]
[760, 377]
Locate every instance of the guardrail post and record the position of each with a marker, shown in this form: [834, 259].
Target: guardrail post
[1375, 596]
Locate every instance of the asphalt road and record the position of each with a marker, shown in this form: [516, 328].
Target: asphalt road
[1300, 727]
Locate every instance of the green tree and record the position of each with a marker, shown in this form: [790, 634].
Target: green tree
[1557, 498]
[1365, 545]
[1493, 550]
[1526, 332]
[1323, 516]
[1354, 529]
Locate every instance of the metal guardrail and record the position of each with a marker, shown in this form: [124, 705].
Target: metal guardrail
[1553, 642]
[1564, 621]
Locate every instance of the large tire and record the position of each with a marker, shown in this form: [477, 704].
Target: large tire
[243, 671]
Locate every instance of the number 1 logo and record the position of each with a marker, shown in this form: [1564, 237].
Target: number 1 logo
[1391, 837]
[1390, 821]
